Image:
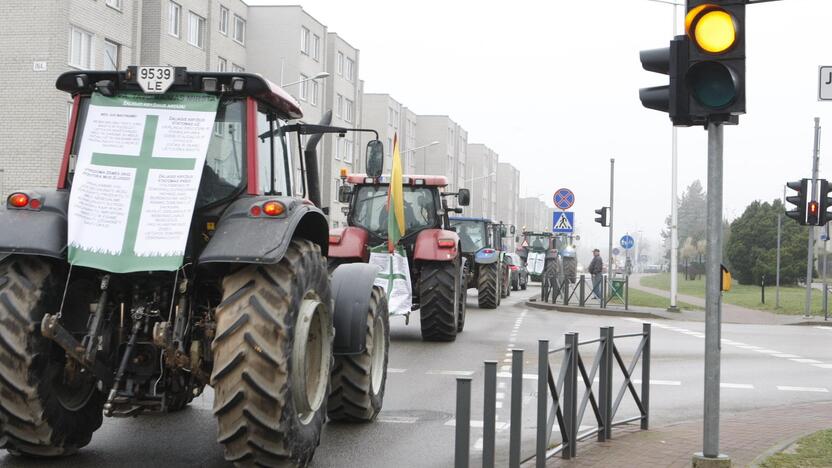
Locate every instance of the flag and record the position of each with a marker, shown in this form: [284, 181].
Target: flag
[395, 200]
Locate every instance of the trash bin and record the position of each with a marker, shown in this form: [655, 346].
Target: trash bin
[618, 287]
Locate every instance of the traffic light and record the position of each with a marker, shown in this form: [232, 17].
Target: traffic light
[825, 202]
[798, 200]
[602, 216]
[715, 73]
[672, 98]
[812, 213]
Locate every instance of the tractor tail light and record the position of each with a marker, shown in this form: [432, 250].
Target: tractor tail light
[255, 211]
[446, 243]
[513, 267]
[18, 200]
[488, 251]
[334, 239]
[273, 208]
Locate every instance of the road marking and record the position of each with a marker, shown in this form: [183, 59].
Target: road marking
[501, 385]
[501, 395]
[767, 351]
[461, 373]
[478, 445]
[821, 327]
[802, 389]
[506, 360]
[823, 366]
[479, 424]
[393, 370]
[507, 355]
[504, 368]
[397, 419]
[736, 385]
[786, 355]
[674, 383]
[498, 404]
[507, 375]
[806, 361]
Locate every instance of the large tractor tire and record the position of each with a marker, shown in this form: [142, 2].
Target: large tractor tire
[505, 290]
[570, 269]
[439, 296]
[42, 413]
[488, 294]
[358, 381]
[272, 359]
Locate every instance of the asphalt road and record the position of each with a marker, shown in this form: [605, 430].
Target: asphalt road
[763, 365]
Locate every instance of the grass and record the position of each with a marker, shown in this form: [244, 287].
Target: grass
[812, 450]
[792, 298]
[645, 299]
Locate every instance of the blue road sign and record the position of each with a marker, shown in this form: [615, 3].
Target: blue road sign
[564, 199]
[563, 222]
[627, 242]
[615, 251]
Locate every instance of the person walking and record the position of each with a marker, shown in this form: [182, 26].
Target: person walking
[596, 269]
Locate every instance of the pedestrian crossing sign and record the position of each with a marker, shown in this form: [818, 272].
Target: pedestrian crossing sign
[563, 222]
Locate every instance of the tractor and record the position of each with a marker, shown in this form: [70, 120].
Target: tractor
[433, 250]
[486, 267]
[248, 306]
[538, 250]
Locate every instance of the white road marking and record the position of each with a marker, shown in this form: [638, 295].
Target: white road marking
[498, 404]
[806, 361]
[507, 355]
[397, 419]
[823, 366]
[786, 355]
[506, 360]
[501, 385]
[802, 389]
[393, 370]
[767, 351]
[460, 373]
[479, 424]
[478, 445]
[821, 327]
[736, 385]
[507, 375]
[501, 395]
[504, 369]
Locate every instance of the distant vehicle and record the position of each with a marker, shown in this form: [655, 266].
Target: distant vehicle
[519, 273]
[653, 268]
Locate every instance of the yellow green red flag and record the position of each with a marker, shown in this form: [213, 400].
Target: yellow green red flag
[395, 200]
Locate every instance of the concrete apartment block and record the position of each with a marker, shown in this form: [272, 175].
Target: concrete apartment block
[481, 179]
[407, 137]
[383, 113]
[448, 156]
[508, 183]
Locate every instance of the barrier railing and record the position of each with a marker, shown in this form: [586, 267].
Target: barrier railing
[562, 393]
[612, 290]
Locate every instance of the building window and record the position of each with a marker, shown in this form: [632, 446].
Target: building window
[349, 69]
[111, 55]
[304, 87]
[80, 48]
[117, 4]
[348, 108]
[174, 18]
[340, 63]
[314, 84]
[236, 68]
[196, 30]
[316, 47]
[339, 107]
[349, 149]
[339, 148]
[223, 20]
[222, 64]
[239, 29]
[304, 40]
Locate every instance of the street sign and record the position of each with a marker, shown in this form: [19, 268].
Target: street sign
[627, 242]
[563, 222]
[825, 84]
[615, 251]
[564, 199]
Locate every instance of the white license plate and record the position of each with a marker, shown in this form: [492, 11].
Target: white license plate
[155, 80]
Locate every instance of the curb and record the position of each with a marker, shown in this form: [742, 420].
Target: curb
[813, 323]
[593, 311]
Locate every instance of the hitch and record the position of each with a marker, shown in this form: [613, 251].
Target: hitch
[50, 327]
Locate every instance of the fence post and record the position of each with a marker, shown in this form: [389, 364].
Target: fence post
[489, 414]
[627, 292]
[645, 377]
[542, 395]
[582, 299]
[463, 422]
[603, 385]
[604, 291]
[516, 408]
[609, 358]
[565, 288]
[570, 396]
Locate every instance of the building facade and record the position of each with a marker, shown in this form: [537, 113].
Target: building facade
[508, 196]
[445, 157]
[482, 180]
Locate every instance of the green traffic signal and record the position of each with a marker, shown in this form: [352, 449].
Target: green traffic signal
[712, 84]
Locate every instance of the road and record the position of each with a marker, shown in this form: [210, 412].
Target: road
[763, 365]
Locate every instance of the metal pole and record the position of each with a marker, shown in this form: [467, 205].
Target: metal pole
[674, 207]
[489, 414]
[542, 397]
[714, 294]
[516, 417]
[645, 377]
[612, 192]
[582, 291]
[779, 229]
[810, 261]
[570, 396]
[825, 291]
[463, 422]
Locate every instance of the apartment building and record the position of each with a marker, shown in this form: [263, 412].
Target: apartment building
[389, 118]
[508, 183]
[481, 179]
[446, 157]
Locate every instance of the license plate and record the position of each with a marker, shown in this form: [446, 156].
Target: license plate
[155, 80]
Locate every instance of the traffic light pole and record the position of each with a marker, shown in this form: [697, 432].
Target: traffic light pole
[779, 236]
[807, 308]
[612, 192]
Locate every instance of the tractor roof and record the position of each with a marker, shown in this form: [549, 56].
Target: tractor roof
[254, 85]
[415, 180]
[464, 218]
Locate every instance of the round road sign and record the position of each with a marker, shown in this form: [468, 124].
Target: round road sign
[627, 242]
[564, 199]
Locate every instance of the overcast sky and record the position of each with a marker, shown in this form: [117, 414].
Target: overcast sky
[552, 86]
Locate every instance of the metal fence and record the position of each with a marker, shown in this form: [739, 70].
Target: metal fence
[565, 411]
[612, 290]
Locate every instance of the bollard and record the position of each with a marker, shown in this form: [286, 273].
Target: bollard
[627, 292]
[516, 408]
[603, 292]
[463, 422]
[565, 290]
[489, 414]
[582, 299]
[570, 397]
[542, 395]
[645, 377]
[604, 385]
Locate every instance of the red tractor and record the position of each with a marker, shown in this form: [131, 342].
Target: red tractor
[437, 267]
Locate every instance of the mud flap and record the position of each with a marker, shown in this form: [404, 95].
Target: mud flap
[352, 284]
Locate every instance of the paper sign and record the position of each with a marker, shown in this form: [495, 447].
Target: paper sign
[394, 278]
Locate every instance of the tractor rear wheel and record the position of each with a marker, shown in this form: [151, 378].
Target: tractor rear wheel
[487, 283]
[47, 408]
[506, 277]
[272, 359]
[358, 381]
[463, 300]
[438, 301]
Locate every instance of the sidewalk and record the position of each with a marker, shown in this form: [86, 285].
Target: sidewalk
[745, 437]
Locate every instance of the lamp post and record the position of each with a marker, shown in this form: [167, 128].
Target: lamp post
[425, 160]
[319, 76]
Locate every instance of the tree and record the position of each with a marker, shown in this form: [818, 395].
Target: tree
[691, 215]
[752, 246]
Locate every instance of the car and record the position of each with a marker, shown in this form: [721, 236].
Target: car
[519, 273]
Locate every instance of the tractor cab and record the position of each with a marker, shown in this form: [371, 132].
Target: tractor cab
[487, 267]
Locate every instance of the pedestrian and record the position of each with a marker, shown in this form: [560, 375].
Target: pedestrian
[596, 268]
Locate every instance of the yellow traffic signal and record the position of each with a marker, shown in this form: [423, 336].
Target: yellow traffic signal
[714, 30]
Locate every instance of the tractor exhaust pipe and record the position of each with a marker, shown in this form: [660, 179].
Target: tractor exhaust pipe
[310, 155]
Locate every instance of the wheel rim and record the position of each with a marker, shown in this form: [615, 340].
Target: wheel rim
[311, 357]
[75, 396]
[379, 351]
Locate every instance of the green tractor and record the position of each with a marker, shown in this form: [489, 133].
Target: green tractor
[486, 265]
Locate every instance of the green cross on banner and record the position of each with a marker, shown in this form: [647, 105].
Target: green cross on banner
[391, 277]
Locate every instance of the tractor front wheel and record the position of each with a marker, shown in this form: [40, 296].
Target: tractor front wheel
[438, 301]
[488, 294]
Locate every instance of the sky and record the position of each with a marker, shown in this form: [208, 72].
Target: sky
[552, 86]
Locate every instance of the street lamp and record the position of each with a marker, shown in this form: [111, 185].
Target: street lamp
[319, 76]
[478, 178]
[424, 166]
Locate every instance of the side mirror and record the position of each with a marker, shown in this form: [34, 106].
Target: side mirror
[464, 197]
[512, 230]
[375, 158]
[344, 193]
